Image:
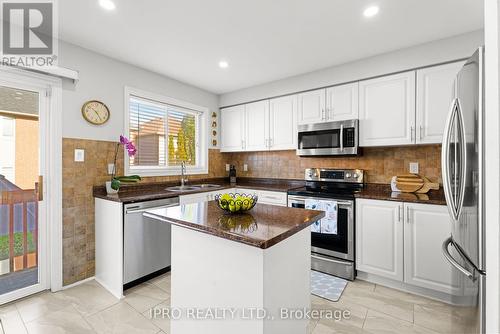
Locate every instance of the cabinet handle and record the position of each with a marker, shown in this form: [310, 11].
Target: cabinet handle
[270, 143]
[323, 115]
[411, 133]
[408, 215]
[399, 213]
[421, 132]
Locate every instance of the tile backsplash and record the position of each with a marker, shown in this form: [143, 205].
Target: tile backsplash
[80, 177]
[78, 202]
[380, 163]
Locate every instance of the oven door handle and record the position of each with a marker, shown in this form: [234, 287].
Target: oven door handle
[300, 198]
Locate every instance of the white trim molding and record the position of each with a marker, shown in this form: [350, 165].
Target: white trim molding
[202, 135]
[51, 164]
[491, 163]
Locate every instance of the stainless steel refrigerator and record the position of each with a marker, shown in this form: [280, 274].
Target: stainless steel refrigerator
[462, 169]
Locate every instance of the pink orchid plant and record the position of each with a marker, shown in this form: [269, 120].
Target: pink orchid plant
[116, 181]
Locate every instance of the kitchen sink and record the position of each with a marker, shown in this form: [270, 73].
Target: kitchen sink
[205, 186]
[183, 188]
[193, 187]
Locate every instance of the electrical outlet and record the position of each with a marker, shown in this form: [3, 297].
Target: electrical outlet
[79, 155]
[245, 167]
[228, 166]
[414, 167]
[111, 169]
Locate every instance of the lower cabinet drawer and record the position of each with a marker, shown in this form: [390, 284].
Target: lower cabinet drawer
[272, 197]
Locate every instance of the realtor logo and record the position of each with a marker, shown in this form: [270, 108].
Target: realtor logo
[28, 30]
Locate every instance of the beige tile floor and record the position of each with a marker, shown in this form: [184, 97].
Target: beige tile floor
[89, 308]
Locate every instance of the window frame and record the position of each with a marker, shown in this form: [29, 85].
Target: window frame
[202, 136]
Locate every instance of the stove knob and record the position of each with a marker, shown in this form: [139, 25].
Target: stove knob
[355, 175]
[347, 175]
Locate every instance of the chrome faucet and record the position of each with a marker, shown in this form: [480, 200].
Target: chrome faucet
[183, 173]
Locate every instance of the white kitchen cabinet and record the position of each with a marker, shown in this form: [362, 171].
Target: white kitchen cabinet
[232, 129]
[267, 197]
[435, 92]
[402, 242]
[203, 197]
[312, 107]
[342, 102]
[257, 126]
[193, 198]
[283, 123]
[379, 238]
[387, 110]
[426, 227]
[260, 126]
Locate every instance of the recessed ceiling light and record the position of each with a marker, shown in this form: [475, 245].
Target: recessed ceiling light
[223, 64]
[107, 4]
[371, 11]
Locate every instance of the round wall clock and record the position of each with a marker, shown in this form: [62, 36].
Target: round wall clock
[95, 112]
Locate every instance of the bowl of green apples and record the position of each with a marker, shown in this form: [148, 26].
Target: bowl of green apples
[236, 202]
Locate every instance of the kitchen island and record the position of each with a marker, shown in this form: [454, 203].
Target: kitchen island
[237, 273]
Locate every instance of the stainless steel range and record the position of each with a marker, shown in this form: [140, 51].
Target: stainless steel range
[332, 238]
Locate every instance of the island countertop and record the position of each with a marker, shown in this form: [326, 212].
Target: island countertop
[262, 227]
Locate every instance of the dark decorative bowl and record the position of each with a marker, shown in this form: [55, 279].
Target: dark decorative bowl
[236, 203]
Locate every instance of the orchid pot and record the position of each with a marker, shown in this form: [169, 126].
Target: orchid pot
[113, 185]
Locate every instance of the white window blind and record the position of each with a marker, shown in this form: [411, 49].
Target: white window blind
[165, 135]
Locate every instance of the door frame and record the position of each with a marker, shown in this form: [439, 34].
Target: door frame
[51, 128]
[492, 169]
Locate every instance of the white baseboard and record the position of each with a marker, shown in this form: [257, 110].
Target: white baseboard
[108, 288]
[78, 283]
[404, 287]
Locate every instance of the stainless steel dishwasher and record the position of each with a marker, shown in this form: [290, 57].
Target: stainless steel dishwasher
[146, 242]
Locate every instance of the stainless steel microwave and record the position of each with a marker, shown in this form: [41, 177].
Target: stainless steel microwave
[331, 138]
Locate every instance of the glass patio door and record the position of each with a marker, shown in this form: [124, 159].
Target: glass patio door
[22, 223]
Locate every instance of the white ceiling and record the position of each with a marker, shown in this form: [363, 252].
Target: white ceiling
[263, 40]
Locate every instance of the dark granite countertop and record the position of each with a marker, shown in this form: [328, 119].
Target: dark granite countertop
[384, 192]
[262, 227]
[151, 191]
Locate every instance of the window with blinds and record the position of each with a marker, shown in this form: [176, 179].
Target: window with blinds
[164, 135]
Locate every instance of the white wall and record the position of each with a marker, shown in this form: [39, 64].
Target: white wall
[457, 47]
[103, 78]
[492, 169]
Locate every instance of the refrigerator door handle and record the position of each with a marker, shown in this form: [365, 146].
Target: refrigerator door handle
[463, 158]
[453, 262]
[445, 158]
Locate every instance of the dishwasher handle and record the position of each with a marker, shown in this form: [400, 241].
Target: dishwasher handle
[152, 205]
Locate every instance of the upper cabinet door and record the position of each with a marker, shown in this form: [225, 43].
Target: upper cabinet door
[232, 129]
[312, 107]
[257, 126]
[435, 92]
[283, 123]
[342, 102]
[387, 110]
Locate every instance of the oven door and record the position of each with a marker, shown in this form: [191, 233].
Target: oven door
[339, 245]
[332, 138]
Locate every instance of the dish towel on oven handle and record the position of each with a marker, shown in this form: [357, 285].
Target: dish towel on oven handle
[327, 225]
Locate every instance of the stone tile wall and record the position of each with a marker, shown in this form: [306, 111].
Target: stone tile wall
[380, 163]
[79, 178]
[78, 203]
